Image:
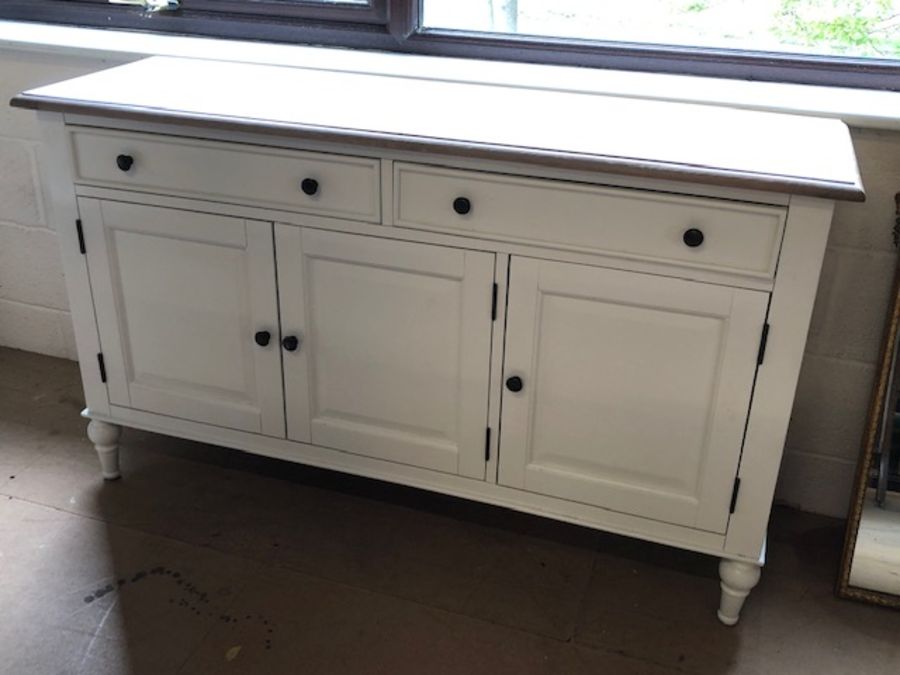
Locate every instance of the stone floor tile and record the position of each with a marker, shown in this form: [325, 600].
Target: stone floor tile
[433, 561]
[19, 448]
[30, 372]
[302, 624]
[135, 593]
[536, 585]
[40, 650]
[804, 549]
[577, 660]
[662, 614]
[808, 630]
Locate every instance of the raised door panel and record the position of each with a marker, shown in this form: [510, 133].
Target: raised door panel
[179, 297]
[636, 389]
[395, 357]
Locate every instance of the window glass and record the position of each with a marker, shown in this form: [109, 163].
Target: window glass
[855, 28]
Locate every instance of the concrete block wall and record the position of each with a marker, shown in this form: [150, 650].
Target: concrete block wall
[845, 337]
[841, 356]
[34, 312]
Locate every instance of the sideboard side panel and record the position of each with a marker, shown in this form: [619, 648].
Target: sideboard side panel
[796, 282]
[62, 214]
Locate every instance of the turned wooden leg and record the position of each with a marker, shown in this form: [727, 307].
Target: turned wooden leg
[738, 579]
[105, 437]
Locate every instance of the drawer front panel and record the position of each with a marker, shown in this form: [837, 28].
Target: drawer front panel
[345, 187]
[736, 237]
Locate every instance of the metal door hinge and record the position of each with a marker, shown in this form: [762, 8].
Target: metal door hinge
[80, 230]
[494, 290]
[102, 366]
[487, 445]
[762, 345]
[734, 494]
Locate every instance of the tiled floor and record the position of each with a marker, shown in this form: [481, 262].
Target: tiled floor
[204, 560]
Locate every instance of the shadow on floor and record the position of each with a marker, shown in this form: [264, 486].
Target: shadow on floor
[207, 560]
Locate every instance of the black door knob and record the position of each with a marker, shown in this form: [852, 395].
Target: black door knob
[290, 343]
[124, 162]
[262, 337]
[693, 237]
[462, 205]
[514, 384]
[310, 186]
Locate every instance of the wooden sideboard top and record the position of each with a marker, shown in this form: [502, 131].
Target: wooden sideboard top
[586, 132]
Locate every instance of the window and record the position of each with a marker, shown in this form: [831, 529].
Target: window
[835, 42]
[862, 28]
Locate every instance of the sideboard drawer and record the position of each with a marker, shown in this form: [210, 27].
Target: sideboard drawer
[724, 235]
[324, 184]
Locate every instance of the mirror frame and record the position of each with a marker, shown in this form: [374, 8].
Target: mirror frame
[870, 439]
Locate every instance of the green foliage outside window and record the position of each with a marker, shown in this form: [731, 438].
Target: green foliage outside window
[866, 28]
[862, 27]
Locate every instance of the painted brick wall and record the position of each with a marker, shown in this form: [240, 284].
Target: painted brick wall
[845, 337]
[33, 308]
[840, 360]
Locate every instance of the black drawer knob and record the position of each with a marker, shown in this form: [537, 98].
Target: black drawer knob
[262, 337]
[514, 384]
[310, 186]
[462, 205]
[693, 237]
[124, 162]
[290, 343]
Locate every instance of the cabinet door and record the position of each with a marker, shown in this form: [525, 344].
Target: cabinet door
[394, 360]
[636, 389]
[179, 297]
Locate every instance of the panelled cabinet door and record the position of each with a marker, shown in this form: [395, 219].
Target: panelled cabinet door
[395, 341]
[180, 297]
[635, 389]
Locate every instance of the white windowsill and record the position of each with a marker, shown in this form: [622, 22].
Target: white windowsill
[856, 107]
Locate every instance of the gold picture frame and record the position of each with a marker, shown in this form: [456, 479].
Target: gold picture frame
[888, 363]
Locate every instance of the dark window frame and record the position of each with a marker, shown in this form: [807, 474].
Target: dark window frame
[374, 11]
[370, 11]
[394, 25]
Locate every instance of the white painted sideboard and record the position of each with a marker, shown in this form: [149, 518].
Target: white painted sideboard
[588, 308]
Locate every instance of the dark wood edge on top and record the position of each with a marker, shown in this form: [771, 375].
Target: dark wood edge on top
[549, 158]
